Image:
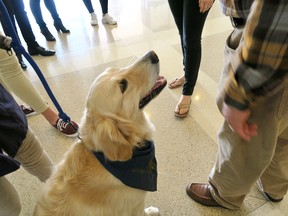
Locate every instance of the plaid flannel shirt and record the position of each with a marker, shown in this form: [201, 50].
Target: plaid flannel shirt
[260, 66]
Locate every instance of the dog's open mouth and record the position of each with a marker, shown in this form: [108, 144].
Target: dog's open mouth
[155, 90]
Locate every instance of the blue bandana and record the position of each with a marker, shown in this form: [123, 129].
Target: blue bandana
[139, 172]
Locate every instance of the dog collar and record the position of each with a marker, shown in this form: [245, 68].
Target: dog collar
[139, 172]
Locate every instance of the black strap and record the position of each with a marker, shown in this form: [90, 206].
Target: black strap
[238, 22]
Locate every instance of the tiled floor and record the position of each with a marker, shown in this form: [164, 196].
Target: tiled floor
[186, 148]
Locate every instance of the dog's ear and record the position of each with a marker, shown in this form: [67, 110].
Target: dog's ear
[117, 138]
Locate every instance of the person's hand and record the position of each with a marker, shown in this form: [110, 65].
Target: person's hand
[205, 5]
[238, 122]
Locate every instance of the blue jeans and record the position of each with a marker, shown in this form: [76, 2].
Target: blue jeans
[16, 9]
[37, 13]
[103, 3]
[190, 23]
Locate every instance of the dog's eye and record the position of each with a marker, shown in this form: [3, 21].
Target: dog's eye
[123, 85]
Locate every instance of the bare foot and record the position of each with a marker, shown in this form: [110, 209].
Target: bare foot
[177, 82]
[183, 106]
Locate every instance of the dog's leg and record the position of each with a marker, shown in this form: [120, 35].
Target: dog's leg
[151, 211]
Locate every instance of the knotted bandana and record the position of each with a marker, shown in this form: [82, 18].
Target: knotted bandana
[139, 172]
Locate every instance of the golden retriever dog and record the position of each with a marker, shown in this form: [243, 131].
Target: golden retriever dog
[109, 171]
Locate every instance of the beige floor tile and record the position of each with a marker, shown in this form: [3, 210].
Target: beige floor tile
[185, 149]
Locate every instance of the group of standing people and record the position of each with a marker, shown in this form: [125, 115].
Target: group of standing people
[18, 143]
[253, 99]
[17, 13]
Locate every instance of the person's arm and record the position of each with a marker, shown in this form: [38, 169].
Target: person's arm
[261, 61]
[205, 5]
[259, 66]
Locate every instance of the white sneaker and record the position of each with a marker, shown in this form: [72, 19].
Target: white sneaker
[107, 19]
[94, 20]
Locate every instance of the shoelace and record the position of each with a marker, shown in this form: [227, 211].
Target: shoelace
[61, 125]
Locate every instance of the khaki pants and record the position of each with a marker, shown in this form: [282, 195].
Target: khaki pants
[239, 163]
[15, 80]
[35, 161]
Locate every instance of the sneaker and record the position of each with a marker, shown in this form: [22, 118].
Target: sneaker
[107, 19]
[259, 186]
[69, 129]
[94, 20]
[27, 110]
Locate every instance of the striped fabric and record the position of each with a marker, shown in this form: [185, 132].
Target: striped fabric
[261, 62]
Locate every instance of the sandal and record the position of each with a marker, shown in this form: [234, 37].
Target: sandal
[182, 106]
[177, 82]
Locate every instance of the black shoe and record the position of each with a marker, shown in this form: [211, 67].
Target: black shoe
[60, 27]
[271, 198]
[259, 186]
[21, 62]
[41, 51]
[47, 34]
[23, 65]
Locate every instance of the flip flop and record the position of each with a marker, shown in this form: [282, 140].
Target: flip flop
[177, 82]
[182, 106]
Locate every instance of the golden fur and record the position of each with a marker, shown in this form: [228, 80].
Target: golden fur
[112, 123]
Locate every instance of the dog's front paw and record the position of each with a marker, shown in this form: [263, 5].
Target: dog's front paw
[152, 211]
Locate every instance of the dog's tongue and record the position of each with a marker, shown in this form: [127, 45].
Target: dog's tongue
[156, 89]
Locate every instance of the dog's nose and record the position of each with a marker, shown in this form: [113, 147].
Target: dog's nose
[154, 57]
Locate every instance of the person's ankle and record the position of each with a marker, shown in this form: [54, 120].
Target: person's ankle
[50, 116]
[185, 99]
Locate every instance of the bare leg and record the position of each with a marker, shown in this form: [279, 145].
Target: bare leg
[185, 100]
[50, 115]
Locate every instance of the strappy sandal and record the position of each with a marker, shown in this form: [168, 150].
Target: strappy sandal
[177, 82]
[182, 106]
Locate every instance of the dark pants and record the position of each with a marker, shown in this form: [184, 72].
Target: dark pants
[104, 6]
[37, 13]
[16, 10]
[190, 24]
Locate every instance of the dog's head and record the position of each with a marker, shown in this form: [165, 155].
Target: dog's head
[114, 122]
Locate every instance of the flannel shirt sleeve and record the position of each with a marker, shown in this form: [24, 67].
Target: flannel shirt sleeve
[261, 61]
